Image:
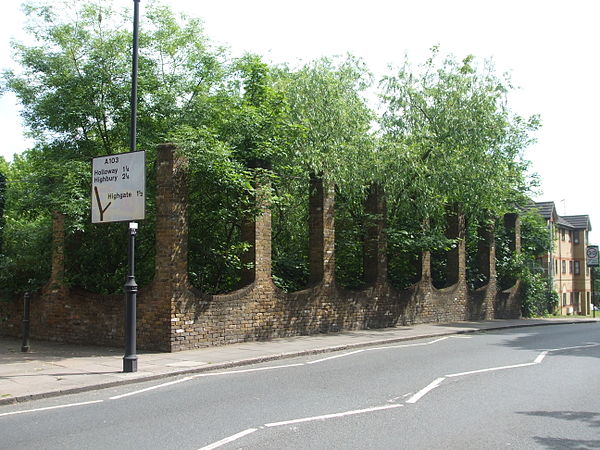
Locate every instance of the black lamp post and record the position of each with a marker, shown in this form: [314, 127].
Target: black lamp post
[130, 358]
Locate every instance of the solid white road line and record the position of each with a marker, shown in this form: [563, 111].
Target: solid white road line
[158, 386]
[491, 369]
[229, 439]
[590, 344]
[435, 383]
[336, 356]
[70, 405]
[234, 437]
[420, 344]
[232, 372]
[331, 416]
[415, 398]
[200, 375]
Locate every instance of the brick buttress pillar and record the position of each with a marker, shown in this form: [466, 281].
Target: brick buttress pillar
[512, 223]
[456, 267]
[425, 261]
[486, 265]
[321, 240]
[425, 258]
[171, 262]
[171, 265]
[256, 231]
[375, 248]
[486, 253]
[263, 237]
[58, 251]
[509, 302]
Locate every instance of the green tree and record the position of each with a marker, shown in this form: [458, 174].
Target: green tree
[333, 141]
[449, 140]
[74, 87]
[228, 161]
[539, 298]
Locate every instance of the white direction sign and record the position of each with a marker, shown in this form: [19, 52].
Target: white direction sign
[118, 187]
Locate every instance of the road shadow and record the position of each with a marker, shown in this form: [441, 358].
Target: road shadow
[10, 351]
[590, 418]
[58, 374]
[556, 336]
[563, 443]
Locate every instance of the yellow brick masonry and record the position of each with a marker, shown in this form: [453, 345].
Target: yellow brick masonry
[174, 316]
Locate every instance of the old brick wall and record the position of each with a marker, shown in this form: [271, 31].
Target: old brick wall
[261, 311]
[173, 316]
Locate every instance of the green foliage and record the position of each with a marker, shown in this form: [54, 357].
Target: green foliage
[404, 258]
[220, 193]
[25, 258]
[74, 89]
[258, 127]
[538, 296]
[350, 217]
[290, 234]
[334, 122]
[331, 138]
[446, 138]
[535, 235]
[2, 205]
[450, 139]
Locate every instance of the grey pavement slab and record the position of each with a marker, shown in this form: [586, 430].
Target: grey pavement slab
[54, 368]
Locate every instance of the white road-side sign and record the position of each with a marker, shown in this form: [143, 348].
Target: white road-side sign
[592, 255]
[119, 187]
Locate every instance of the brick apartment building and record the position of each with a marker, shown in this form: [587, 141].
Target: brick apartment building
[565, 264]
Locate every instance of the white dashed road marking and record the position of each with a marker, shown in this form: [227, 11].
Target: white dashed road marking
[229, 439]
[435, 383]
[331, 416]
[70, 405]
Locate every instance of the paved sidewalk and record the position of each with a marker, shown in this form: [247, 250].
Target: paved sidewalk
[52, 369]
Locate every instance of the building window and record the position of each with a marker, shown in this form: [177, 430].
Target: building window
[562, 234]
[564, 299]
[576, 237]
[576, 268]
[563, 266]
[570, 266]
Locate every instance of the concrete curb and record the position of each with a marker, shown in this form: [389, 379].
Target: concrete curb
[276, 357]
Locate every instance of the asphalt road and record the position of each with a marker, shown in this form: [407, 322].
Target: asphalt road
[522, 388]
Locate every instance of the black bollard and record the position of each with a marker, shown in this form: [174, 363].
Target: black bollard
[26, 307]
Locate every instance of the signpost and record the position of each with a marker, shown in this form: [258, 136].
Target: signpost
[118, 187]
[592, 256]
[593, 261]
[118, 194]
